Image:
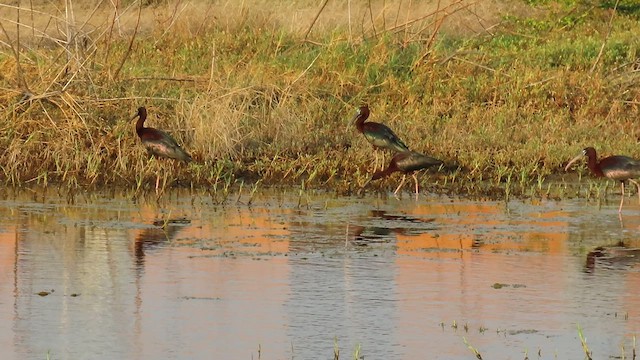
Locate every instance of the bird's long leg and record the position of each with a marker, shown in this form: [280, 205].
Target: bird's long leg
[621, 222]
[375, 159]
[621, 197]
[163, 187]
[638, 186]
[415, 178]
[401, 183]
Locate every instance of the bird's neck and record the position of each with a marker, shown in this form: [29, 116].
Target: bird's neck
[140, 125]
[593, 165]
[386, 172]
[360, 119]
[360, 123]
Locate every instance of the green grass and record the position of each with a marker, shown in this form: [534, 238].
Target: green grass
[506, 100]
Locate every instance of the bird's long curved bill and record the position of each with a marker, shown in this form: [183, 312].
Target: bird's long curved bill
[355, 118]
[578, 157]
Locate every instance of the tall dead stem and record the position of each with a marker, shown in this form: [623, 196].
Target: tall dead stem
[130, 47]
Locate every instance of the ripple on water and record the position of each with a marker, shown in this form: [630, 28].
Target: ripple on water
[187, 278]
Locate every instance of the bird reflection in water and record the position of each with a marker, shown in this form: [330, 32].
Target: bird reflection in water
[381, 214]
[365, 235]
[617, 256]
[163, 232]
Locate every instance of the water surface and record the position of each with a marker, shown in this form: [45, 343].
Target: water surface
[284, 276]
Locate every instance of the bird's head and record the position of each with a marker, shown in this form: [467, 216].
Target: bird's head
[362, 113]
[142, 113]
[588, 152]
[363, 110]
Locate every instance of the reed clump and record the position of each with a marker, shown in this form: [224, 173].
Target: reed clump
[265, 90]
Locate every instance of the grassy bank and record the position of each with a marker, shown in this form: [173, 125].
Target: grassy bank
[261, 90]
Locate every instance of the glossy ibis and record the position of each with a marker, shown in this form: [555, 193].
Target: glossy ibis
[379, 135]
[616, 167]
[407, 163]
[158, 142]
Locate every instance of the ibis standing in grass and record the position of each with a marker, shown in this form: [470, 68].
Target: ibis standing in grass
[158, 142]
[379, 135]
[616, 167]
[407, 162]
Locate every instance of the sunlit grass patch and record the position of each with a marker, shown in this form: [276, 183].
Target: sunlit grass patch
[507, 92]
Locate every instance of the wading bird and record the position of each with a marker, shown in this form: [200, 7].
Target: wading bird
[379, 135]
[407, 163]
[616, 167]
[158, 142]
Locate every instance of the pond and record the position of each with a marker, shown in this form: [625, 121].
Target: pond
[281, 274]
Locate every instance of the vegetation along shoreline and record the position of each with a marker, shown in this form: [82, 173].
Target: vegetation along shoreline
[264, 92]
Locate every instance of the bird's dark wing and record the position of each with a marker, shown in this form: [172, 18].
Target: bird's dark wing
[412, 161]
[620, 167]
[160, 143]
[382, 136]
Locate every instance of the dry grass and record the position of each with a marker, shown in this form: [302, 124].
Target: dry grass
[265, 90]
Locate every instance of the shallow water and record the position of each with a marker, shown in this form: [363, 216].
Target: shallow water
[294, 277]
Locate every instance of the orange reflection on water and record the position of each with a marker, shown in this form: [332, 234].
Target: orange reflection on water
[238, 230]
[7, 254]
[8, 241]
[8, 250]
[461, 261]
[499, 237]
[207, 282]
[255, 228]
[216, 285]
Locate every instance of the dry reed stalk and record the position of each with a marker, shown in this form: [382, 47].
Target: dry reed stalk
[172, 20]
[324, 4]
[15, 49]
[130, 47]
[606, 38]
[373, 24]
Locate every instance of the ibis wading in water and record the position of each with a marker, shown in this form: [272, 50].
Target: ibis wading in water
[158, 142]
[407, 163]
[379, 135]
[616, 167]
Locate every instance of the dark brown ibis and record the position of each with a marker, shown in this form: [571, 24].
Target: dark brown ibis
[407, 162]
[616, 167]
[378, 135]
[158, 142]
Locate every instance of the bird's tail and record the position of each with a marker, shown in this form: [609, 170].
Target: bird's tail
[184, 156]
[400, 146]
